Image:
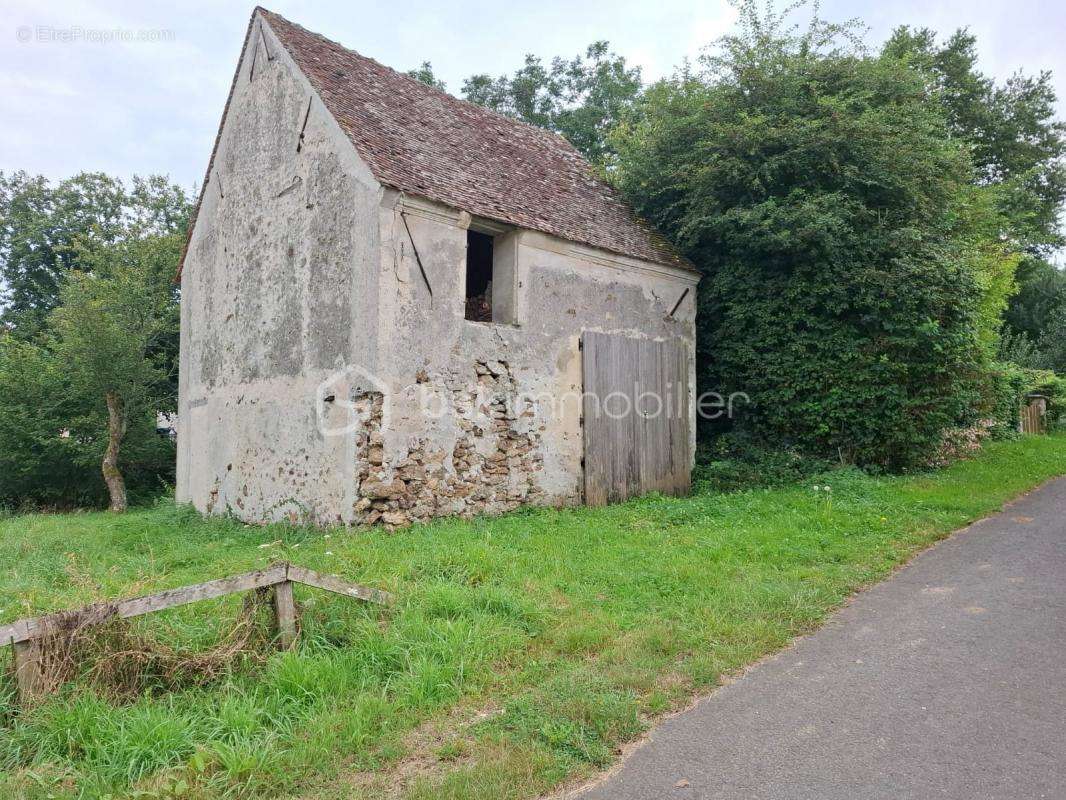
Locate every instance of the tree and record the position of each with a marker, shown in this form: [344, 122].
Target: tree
[1019, 150]
[1041, 294]
[1019, 349]
[841, 239]
[45, 228]
[582, 98]
[424, 73]
[1016, 141]
[39, 225]
[53, 437]
[87, 266]
[108, 330]
[979, 234]
[39, 453]
[1051, 345]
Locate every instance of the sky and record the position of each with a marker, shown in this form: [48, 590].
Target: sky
[138, 87]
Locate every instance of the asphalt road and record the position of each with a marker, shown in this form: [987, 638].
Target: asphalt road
[947, 680]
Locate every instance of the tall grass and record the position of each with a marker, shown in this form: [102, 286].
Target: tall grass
[523, 650]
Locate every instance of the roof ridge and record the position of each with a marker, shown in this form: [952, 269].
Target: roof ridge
[426, 141]
[425, 87]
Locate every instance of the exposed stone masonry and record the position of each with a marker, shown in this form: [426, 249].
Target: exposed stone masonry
[491, 468]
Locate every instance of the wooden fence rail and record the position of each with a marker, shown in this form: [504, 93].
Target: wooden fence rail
[24, 635]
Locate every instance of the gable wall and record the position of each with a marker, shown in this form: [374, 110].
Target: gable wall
[277, 294]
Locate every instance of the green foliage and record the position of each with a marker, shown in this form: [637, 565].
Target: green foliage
[1019, 149]
[39, 225]
[1051, 386]
[1040, 298]
[38, 463]
[110, 333]
[1034, 333]
[1052, 342]
[1005, 391]
[91, 309]
[850, 289]
[113, 320]
[737, 460]
[582, 98]
[52, 438]
[1018, 145]
[1019, 349]
[994, 261]
[1008, 387]
[45, 229]
[571, 628]
[424, 73]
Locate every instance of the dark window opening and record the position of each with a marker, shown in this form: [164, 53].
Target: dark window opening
[478, 277]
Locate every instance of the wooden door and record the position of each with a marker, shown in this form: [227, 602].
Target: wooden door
[636, 417]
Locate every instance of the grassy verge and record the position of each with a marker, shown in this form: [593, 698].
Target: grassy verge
[524, 651]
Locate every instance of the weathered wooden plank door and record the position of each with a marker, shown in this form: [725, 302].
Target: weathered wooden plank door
[636, 417]
[1032, 416]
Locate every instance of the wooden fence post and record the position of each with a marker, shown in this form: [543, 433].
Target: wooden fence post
[28, 670]
[285, 608]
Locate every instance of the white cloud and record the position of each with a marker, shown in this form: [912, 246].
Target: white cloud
[153, 107]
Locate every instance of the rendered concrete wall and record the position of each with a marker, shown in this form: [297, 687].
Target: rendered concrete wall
[278, 292]
[511, 433]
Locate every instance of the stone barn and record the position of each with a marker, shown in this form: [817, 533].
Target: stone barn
[398, 305]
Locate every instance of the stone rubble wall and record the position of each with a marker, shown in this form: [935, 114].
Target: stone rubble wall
[491, 467]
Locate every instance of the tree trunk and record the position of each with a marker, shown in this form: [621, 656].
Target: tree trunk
[116, 430]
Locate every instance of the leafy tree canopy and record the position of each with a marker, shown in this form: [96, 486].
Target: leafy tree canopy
[1019, 151]
[850, 261]
[44, 228]
[110, 330]
[1016, 141]
[581, 98]
[90, 328]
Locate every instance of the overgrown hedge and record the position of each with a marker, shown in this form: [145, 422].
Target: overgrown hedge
[842, 241]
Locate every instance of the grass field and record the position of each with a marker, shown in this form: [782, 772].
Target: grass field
[523, 651]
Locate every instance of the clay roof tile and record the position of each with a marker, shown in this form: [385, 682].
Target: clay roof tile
[421, 140]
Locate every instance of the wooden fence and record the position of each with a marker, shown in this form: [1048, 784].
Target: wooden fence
[1034, 415]
[25, 635]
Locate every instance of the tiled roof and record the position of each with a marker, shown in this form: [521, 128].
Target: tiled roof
[423, 141]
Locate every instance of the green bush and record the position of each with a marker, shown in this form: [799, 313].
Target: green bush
[736, 461]
[1003, 396]
[1007, 387]
[1053, 387]
[845, 251]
